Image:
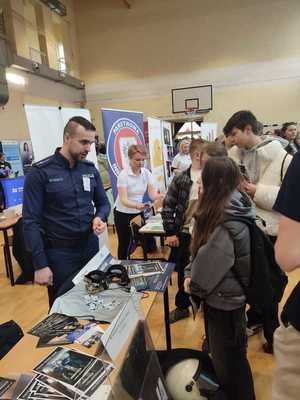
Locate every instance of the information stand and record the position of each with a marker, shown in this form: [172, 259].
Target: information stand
[137, 373]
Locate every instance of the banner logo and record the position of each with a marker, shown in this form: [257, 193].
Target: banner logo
[123, 133]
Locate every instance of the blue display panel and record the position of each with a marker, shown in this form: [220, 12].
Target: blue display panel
[12, 191]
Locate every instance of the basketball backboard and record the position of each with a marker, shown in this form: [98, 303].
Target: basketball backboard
[196, 97]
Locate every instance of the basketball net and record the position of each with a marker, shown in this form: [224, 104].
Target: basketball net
[191, 113]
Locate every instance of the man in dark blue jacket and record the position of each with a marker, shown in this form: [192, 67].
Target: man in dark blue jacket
[64, 209]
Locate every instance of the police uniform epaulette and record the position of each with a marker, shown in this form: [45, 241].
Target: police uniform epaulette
[42, 163]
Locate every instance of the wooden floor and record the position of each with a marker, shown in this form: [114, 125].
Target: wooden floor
[28, 304]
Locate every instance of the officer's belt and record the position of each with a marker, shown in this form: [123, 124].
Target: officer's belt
[66, 243]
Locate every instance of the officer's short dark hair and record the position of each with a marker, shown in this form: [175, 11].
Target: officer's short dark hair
[240, 120]
[73, 123]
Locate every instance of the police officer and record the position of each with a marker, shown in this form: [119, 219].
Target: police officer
[64, 209]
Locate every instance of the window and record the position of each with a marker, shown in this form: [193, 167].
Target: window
[62, 66]
[2, 26]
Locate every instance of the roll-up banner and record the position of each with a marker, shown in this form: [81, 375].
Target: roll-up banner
[156, 153]
[11, 150]
[46, 125]
[121, 130]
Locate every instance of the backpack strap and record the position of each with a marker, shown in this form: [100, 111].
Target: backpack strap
[248, 222]
[282, 166]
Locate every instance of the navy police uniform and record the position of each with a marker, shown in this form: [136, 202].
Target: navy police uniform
[59, 206]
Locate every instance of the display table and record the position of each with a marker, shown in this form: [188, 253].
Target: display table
[6, 224]
[153, 228]
[25, 355]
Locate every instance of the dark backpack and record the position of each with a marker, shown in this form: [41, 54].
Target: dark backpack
[267, 280]
[10, 334]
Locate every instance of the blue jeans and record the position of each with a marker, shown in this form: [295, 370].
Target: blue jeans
[66, 263]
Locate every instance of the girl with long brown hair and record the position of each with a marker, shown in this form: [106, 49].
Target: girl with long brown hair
[220, 261]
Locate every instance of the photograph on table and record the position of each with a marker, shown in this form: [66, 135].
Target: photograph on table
[48, 341]
[22, 380]
[5, 384]
[87, 331]
[78, 370]
[36, 390]
[54, 324]
[58, 387]
[144, 269]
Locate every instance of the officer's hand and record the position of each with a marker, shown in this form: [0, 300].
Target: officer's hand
[43, 277]
[98, 225]
[172, 241]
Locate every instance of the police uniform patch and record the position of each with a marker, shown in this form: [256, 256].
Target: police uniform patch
[53, 180]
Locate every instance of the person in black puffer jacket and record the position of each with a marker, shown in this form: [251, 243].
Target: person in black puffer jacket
[221, 261]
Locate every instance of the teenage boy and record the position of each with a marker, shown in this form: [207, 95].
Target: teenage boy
[287, 337]
[263, 162]
[179, 206]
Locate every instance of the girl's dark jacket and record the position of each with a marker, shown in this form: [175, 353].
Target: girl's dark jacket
[228, 247]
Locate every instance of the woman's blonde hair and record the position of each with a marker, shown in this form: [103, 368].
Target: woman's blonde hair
[183, 143]
[136, 148]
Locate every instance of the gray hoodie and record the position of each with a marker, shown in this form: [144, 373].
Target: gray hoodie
[212, 278]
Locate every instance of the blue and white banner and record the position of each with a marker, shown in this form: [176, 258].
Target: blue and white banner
[11, 150]
[121, 130]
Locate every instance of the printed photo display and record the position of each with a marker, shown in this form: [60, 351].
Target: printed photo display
[144, 269]
[5, 384]
[58, 329]
[37, 390]
[55, 325]
[81, 372]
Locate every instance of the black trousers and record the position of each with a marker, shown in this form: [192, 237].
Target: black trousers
[66, 263]
[269, 319]
[181, 256]
[226, 332]
[122, 224]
